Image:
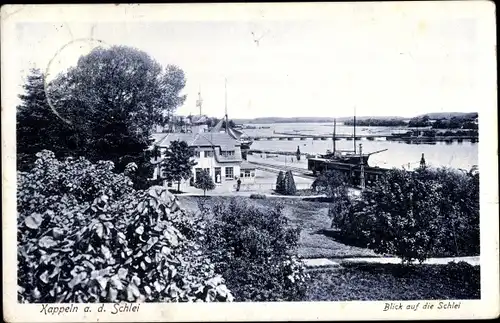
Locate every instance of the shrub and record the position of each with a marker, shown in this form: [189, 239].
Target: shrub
[85, 235]
[333, 184]
[280, 183]
[254, 248]
[416, 215]
[458, 205]
[258, 196]
[204, 182]
[290, 188]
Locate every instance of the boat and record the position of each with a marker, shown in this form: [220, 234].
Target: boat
[353, 164]
[347, 156]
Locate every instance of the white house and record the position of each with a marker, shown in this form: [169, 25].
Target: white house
[217, 153]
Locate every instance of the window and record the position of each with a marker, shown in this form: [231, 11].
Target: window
[245, 173]
[227, 153]
[197, 153]
[197, 172]
[229, 173]
[209, 153]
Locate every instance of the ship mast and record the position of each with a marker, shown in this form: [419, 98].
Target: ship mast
[354, 135]
[334, 126]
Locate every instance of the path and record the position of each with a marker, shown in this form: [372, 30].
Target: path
[243, 193]
[337, 262]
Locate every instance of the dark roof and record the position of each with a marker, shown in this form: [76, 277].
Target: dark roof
[236, 134]
[222, 140]
[157, 137]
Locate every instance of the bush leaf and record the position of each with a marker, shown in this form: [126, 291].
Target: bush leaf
[33, 221]
[46, 242]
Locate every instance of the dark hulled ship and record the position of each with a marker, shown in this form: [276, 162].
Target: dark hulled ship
[353, 164]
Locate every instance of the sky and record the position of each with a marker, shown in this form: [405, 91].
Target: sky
[404, 64]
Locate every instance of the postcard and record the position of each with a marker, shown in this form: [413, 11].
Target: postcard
[249, 162]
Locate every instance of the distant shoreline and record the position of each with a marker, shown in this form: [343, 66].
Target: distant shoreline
[269, 120]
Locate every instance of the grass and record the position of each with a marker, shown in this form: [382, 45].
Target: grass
[310, 216]
[305, 192]
[359, 281]
[371, 282]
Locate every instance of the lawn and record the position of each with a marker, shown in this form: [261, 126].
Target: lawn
[394, 282]
[310, 216]
[359, 281]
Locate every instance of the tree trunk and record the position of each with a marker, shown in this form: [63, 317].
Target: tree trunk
[204, 192]
[178, 186]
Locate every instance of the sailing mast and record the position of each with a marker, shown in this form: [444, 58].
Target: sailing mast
[354, 135]
[334, 126]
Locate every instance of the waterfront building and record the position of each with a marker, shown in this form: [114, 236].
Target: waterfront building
[217, 153]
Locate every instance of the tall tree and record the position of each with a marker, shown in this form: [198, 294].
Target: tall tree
[37, 125]
[204, 182]
[290, 188]
[280, 183]
[110, 101]
[178, 162]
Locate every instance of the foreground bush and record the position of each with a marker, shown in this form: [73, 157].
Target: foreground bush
[85, 235]
[258, 196]
[417, 215]
[254, 249]
[285, 184]
[333, 184]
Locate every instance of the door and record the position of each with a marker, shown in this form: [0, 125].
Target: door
[217, 174]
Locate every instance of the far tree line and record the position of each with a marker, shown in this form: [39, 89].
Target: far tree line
[466, 122]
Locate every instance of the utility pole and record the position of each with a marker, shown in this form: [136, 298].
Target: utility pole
[362, 167]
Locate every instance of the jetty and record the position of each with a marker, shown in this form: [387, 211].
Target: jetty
[387, 137]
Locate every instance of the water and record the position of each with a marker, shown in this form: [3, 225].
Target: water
[457, 155]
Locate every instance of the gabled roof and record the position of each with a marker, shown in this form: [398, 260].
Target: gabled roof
[169, 137]
[222, 140]
[157, 137]
[233, 132]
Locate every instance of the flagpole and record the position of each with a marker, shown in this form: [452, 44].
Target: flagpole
[225, 102]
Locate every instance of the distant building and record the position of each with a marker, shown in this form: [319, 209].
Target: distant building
[217, 153]
[198, 124]
[193, 124]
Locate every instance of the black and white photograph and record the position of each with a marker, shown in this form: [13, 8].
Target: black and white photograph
[280, 161]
